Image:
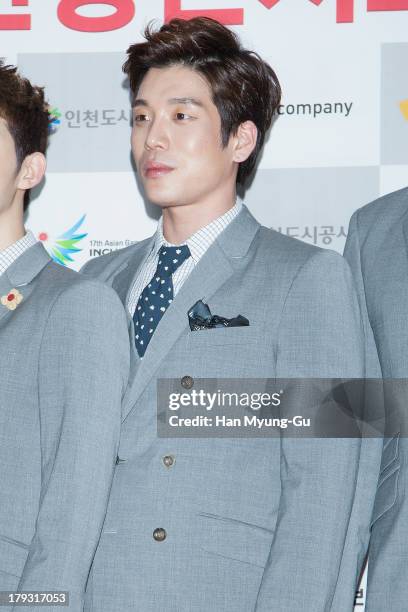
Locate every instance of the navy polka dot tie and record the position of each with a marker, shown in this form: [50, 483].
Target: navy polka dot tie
[157, 296]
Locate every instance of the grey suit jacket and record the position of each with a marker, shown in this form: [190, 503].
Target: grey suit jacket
[377, 250]
[252, 524]
[64, 366]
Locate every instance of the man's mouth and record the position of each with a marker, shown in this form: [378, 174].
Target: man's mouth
[156, 169]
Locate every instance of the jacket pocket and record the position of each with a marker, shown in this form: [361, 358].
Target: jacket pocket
[224, 336]
[13, 555]
[234, 539]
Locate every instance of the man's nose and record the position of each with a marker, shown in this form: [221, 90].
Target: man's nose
[156, 137]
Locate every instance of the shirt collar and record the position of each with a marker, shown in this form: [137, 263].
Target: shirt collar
[13, 252]
[199, 242]
[27, 239]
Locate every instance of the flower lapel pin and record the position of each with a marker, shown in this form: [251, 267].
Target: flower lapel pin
[12, 299]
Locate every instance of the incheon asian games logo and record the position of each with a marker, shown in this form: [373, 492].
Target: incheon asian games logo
[54, 119]
[63, 248]
[404, 108]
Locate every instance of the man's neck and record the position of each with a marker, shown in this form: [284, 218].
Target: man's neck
[181, 222]
[11, 229]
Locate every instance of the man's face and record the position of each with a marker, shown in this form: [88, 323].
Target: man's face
[8, 167]
[176, 139]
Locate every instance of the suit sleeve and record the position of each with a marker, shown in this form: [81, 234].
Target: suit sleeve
[318, 476]
[89, 266]
[83, 372]
[352, 254]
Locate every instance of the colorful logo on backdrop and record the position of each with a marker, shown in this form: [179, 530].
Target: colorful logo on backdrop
[404, 108]
[65, 247]
[55, 119]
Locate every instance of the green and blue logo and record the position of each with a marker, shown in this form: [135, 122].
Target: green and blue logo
[55, 119]
[65, 246]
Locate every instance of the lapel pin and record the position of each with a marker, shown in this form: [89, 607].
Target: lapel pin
[12, 299]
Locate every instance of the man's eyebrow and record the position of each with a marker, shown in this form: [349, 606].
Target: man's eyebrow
[140, 102]
[194, 101]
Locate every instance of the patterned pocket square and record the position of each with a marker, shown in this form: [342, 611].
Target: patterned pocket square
[200, 317]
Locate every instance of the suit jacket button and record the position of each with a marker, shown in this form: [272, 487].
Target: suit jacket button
[187, 382]
[169, 460]
[159, 534]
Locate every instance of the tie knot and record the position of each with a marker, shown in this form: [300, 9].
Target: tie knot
[170, 258]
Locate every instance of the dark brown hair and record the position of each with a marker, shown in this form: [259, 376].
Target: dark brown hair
[24, 109]
[243, 86]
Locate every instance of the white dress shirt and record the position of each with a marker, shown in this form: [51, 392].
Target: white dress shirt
[13, 252]
[198, 244]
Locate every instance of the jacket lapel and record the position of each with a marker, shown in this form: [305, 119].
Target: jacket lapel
[5, 288]
[211, 272]
[20, 275]
[127, 273]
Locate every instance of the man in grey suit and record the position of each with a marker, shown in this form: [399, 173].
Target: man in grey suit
[376, 249]
[224, 525]
[64, 367]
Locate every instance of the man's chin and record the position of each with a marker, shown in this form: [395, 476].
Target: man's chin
[163, 200]
[163, 204]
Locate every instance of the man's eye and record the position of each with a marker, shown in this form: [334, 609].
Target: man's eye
[182, 116]
[140, 118]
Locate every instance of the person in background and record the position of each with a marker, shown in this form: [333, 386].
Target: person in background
[64, 367]
[377, 251]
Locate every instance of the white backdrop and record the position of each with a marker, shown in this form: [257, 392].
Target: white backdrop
[341, 138]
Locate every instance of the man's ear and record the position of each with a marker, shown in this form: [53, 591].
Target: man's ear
[245, 141]
[32, 171]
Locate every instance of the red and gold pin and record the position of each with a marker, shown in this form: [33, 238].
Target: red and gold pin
[12, 299]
